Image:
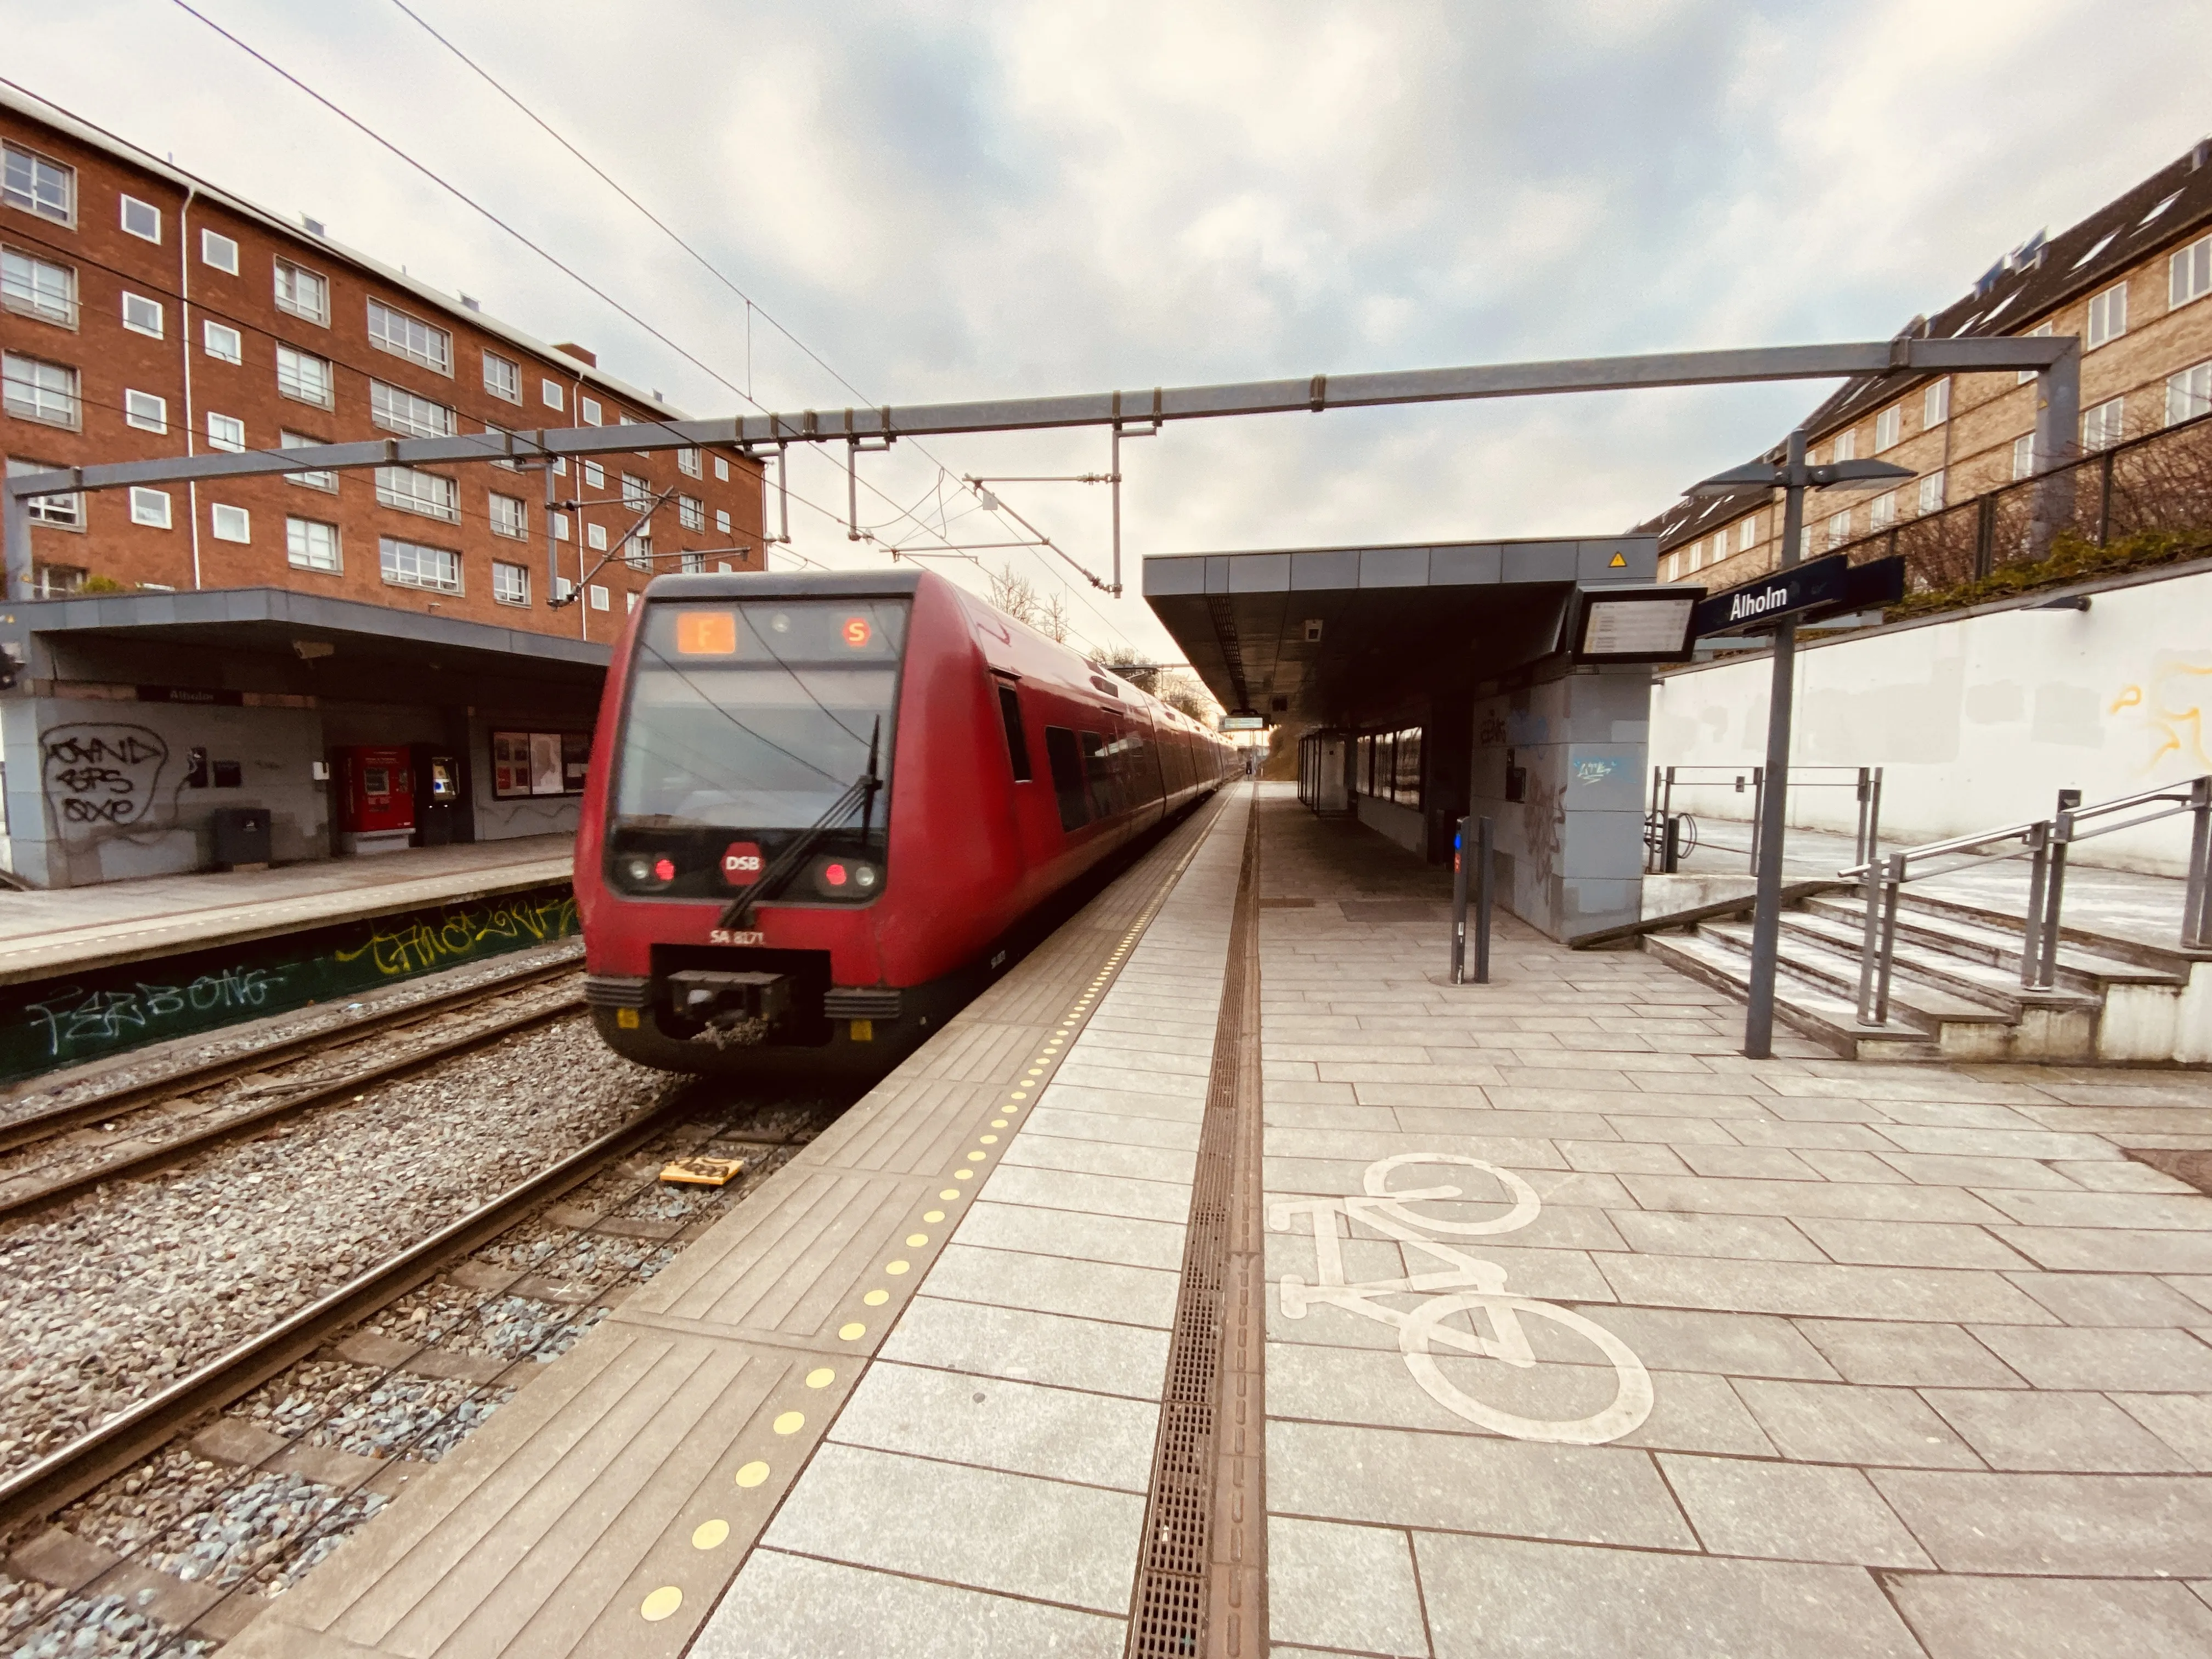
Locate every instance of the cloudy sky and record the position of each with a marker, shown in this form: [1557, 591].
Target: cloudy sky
[948, 202]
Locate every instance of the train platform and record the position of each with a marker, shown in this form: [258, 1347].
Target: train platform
[1222, 1280]
[74, 930]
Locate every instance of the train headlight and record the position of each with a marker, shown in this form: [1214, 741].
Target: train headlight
[640, 871]
[865, 878]
[847, 878]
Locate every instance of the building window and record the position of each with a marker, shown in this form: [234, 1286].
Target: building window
[691, 513]
[57, 581]
[1882, 512]
[2041, 332]
[722, 471]
[2108, 317]
[31, 182]
[510, 583]
[142, 219]
[1840, 527]
[639, 553]
[562, 587]
[637, 495]
[1847, 447]
[2189, 272]
[2023, 455]
[324, 481]
[219, 252]
[595, 538]
[506, 461]
[629, 601]
[304, 378]
[1935, 403]
[587, 410]
[145, 412]
[2100, 427]
[397, 409]
[231, 524]
[1670, 566]
[410, 564]
[694, 563]
[142, 315]
[222, 341]
[302, 293]
[1747, 534]
[38, 288]
[687, 463]
[560, 523]
[410, 337]
[311, 544]
[431, 494]
[149, 506]
[1931, 492]
[62, 512]
[502, 377]
[598, 596]
[2189, 394]
[510, 517]
[34, 389]
[551, 392]
[721, 522]
[226, 432]
[1888, 427]
[595, 475]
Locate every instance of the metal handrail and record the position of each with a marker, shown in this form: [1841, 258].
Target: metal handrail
[1866, 780]
[2047, 840]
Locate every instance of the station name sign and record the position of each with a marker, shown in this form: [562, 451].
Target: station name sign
[1819, 587]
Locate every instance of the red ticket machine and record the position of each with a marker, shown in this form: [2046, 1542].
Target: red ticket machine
[376, 798]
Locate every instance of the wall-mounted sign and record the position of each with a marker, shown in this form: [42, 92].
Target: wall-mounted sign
[539, 763]
[1639, 624]
[191, 694]
[1818, 587]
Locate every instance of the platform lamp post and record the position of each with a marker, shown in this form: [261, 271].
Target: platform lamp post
[1794, 477]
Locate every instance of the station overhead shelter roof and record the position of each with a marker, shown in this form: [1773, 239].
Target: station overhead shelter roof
[1331, 634]
[245, 632]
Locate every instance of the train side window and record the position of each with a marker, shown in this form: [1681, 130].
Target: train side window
[1066, 763]
[1018, 743]
[1098, 767]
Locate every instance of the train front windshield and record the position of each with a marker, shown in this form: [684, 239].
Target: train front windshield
[746, 724]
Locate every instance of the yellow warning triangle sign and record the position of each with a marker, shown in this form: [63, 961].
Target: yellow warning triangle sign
[1618, 564]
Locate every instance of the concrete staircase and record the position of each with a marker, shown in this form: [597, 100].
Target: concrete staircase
[1955, 989]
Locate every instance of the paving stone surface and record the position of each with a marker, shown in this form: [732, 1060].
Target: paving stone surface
[1928, 1360]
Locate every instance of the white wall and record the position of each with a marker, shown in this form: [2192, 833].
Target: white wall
[1976, 721]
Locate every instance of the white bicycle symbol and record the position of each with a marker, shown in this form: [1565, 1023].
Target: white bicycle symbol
[1471, 1286]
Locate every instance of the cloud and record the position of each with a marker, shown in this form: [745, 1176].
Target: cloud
[1070, 195]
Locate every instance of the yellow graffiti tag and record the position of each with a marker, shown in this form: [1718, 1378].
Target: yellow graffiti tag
[418, 946]
[2172, 717]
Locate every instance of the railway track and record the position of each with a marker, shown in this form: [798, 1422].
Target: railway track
[60, 1177]
[130, 1438]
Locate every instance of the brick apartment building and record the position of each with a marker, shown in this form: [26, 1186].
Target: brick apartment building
[2132, 280]
[146, 314]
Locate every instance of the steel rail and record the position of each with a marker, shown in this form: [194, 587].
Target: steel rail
[139, 1431]
[312, 1096]
[137, 1097]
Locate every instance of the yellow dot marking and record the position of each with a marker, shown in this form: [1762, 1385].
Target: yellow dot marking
[963, 1175]
[1036, 1071]
[934, 1215]
[950, 1192]
[710, 1534]
[1019, 1094]
[853, 1332]
[752, 1474]
[915, 1241]
[820, 1377]
[988, 1140]
[789, 1423]
[895, 1268]
[877, 1298]
[662, 1602]
[997, 1123]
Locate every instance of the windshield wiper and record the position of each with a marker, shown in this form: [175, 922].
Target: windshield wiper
[860, 792]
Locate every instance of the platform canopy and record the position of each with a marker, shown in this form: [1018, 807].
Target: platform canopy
[1325, 634]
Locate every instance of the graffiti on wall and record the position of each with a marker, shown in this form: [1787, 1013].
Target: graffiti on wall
[2167, 708]
[98, 775]
[50, 1023]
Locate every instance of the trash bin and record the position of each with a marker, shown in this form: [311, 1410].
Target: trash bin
[241, 836]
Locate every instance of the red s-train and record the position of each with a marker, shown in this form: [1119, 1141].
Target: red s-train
[823, 810]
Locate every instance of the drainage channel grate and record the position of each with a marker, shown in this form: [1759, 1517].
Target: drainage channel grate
[1172, 1575]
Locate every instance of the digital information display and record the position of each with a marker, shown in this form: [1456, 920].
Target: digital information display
[1644, 627]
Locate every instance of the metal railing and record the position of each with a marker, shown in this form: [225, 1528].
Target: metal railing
[2046, 841]
[1665, 841]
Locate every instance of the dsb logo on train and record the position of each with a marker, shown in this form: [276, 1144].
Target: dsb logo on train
[741, 863]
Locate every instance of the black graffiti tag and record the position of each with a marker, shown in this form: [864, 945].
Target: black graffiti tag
[101, 775]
